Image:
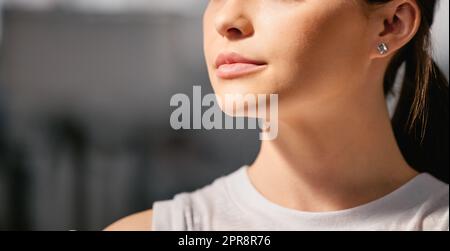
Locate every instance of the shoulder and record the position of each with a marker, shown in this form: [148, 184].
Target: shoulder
[192, 211]
[137, 222]
[174, 214]
[435, 209]
[436, 214]
[184, 211]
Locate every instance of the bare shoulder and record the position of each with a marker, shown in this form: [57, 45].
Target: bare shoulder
[137, 222]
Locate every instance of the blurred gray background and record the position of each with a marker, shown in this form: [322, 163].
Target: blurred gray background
[84, 109]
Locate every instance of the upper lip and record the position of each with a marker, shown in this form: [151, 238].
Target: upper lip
[234, 58]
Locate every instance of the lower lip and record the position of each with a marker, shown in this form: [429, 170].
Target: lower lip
[231, 71]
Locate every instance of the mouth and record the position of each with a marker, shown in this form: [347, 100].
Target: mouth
[233, 65]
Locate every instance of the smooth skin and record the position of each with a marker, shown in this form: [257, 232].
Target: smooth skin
[335, 147]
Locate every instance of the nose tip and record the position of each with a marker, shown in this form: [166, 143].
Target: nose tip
[234, 28]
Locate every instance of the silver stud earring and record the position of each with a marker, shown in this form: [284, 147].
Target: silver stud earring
[383, 48]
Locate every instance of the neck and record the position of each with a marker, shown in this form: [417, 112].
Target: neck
[330, 160]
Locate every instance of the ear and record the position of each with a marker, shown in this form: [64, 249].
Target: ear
[395, 24]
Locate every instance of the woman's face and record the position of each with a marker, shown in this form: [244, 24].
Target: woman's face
[306, 51]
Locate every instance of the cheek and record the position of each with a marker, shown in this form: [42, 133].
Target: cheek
[210, 35]
[316, 51]
[207, 38]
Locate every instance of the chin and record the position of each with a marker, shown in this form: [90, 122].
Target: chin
[239, 98]
[244, 86]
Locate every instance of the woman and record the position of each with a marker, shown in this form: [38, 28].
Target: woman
[339, 162]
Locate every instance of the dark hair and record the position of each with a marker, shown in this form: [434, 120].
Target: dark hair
[420, 121]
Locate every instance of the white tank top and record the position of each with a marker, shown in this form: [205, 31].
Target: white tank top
[232, 203]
